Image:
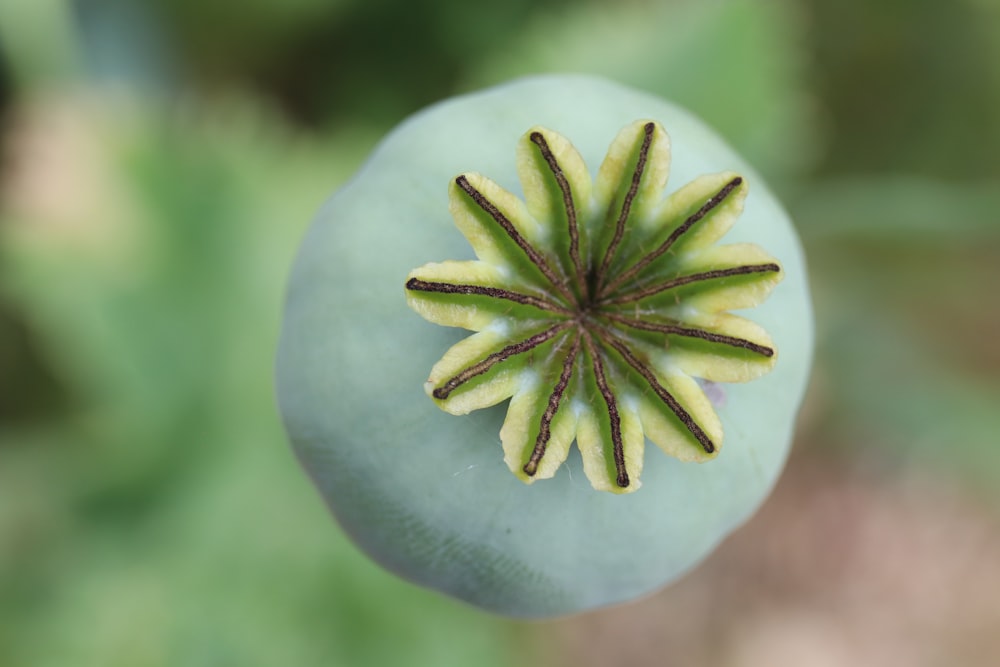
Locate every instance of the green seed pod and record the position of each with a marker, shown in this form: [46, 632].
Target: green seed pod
[600, 297]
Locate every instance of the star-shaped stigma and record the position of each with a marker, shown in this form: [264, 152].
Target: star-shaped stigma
[596, 305]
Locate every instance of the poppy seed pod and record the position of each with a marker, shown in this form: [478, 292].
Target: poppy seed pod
[601, 286]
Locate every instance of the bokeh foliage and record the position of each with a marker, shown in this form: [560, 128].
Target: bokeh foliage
[154, 189]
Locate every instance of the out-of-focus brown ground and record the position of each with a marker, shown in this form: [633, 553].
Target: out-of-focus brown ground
[842, 566]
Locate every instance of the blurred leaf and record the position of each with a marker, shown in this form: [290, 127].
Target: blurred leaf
[123, 44]
[900, 208]
[911, 403]
[37, 36]
[911, 86]
[907, 358]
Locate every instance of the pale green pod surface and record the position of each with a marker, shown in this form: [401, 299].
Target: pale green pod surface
[426, 491]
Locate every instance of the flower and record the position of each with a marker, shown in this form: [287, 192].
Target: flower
[596, 305]
[424, 493]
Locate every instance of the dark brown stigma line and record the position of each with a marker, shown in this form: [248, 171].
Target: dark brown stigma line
[706, 208]
[683, 415]
[676, 330]
[640, 167]
[555, 398]
[477, 369]
[533, 255]
[680, 281]
[571, 218]
[618, 447]
[418, 285]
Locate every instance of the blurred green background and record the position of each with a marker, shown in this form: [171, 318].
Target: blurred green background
[161, 160]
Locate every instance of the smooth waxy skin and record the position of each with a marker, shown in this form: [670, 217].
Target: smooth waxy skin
[427, 494]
